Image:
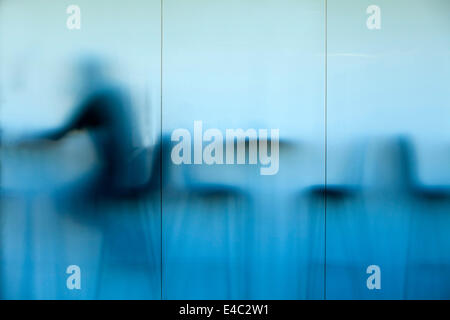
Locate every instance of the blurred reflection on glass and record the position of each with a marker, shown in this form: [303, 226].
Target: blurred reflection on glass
[80, 130]
[83, 152]
[388, 148]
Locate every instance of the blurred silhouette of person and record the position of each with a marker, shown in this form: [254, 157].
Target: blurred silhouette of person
[105, 111]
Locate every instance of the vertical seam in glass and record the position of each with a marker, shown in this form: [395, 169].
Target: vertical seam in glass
[326, 147]
[161, 146]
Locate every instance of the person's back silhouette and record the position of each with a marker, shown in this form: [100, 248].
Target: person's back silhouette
[105, 111]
